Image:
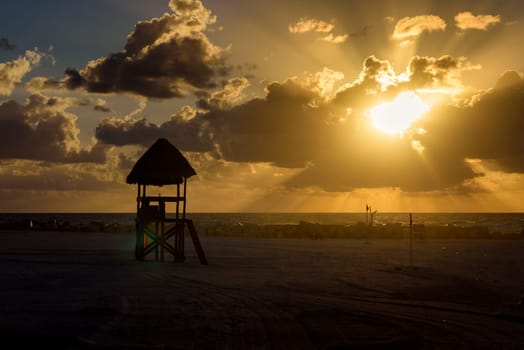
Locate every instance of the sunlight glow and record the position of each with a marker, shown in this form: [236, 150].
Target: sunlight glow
[396, 116]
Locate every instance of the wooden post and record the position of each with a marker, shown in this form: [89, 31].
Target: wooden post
[137, 225]
[146, 240]
[162, 216]
[183, 226]
[178, 223]
[158, 238]
[196, 242]
[185, 198]
[138, 201]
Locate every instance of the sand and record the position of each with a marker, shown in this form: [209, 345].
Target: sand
[85, 291]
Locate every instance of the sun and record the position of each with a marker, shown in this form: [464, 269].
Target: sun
[396, 116]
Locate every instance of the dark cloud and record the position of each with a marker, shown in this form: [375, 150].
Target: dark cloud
[436, 72]
[508, 79]
[340, 152]
[333, 141]
[5, 45]
[41, 129]
[73, 80]
[102, 108]
[362, 33]
[120, 132]
[186, 135]
[491, 128]
[164, 57]
[283, 128]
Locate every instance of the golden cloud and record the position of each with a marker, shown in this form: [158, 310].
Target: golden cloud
[305, 25]
[11, 73]
[335, 39]
[411, 27]
[467, 20]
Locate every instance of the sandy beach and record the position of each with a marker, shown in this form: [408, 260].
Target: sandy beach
[70, 290]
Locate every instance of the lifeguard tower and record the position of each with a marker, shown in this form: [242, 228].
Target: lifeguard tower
[156, 231]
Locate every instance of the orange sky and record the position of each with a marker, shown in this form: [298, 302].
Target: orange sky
[279, 106]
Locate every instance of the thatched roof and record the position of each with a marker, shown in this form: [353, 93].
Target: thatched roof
[162, 164]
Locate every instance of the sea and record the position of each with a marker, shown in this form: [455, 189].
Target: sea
[510, 223]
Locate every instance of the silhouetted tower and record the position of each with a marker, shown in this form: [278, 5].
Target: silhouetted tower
[162, 164]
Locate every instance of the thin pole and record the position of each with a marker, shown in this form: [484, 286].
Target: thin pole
[411, 239]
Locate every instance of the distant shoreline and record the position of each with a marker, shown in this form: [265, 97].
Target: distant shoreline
[308, 230]
[291, 225]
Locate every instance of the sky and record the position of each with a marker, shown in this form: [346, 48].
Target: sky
[280, 106]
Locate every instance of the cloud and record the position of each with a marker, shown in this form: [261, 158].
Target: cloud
[362, 33]
[490, 128]
[26, 175]
[41, 129]
[453, 134]
[324, 137]
[185, 134]
[120, 132]
[508, 79]
[305, 25]
[11, 73]
[389, 19]
[376, 70]
[259, 130]
[466, 20]
[227, 97]
[285, 128]
[335, 39]
[340, 152]
[444, 71]
[164, 57]
[101, 106]
[5, 45]
[322, 83]
[409, 28]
